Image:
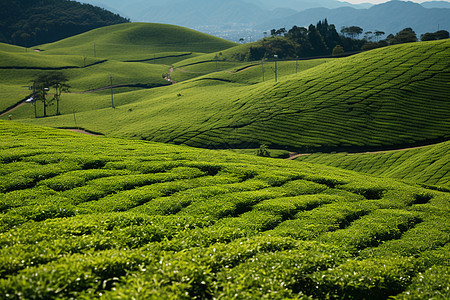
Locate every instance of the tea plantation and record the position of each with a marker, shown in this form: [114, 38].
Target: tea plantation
[100, 218]
[427, 165]
[395, 96]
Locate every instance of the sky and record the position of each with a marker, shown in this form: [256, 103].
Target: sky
[382, 1]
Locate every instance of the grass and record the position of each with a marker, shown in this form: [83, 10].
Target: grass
[136, 41]
[428, 165]
[134, 54]
[389, 97]
[237, 72]
[95, 217]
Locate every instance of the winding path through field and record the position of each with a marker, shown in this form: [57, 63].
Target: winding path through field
[82, 131]
[13, 108]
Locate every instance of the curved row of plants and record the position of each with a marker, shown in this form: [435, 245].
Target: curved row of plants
[90, 217]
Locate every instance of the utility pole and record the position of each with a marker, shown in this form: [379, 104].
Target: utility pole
[34, 99]
[262, 66]
[75, 119]
[276, 68]
[296, 65]
[216, 58]
[112, 93]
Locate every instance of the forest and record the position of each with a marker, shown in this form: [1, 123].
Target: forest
[29, 23]
[323, 40]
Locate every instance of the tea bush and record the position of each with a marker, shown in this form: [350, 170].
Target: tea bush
[81, 218]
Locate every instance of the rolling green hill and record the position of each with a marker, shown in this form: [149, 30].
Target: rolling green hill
[428, 165]
[137, 41]
[136, 55]
[90, 217]
[19, 69]
[385, 98]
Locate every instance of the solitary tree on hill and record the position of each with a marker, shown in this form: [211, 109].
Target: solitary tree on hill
[44, 82]
[263, 151]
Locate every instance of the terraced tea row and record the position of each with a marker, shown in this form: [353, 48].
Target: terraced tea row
[429, 165]
[92, 217]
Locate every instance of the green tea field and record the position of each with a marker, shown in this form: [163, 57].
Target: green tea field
[392, 97]
[85, 217]
[428, 165]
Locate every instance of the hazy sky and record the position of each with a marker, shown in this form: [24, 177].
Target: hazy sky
[382, 1]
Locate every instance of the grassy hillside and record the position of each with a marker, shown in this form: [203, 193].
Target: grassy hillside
[135, 54]
[389, 97]
[429, 165]
[93, 217]
[240, 72]
[137, 41]
[18, 70]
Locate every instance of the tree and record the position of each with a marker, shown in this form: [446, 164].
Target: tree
[368, 35]
[438, 35]
[442, 34]
[338, 50]
[44, 82]
[406, 35]
[263, 151]
[59, 82]
[41, 85]
[428, 37]
[378, 33]
[317, 41]
[352, 31]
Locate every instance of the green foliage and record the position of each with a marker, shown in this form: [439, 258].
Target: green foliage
[94, 217]
[380, 98]
[428, 165]
[406, 35]
[29, 23]
[263, 151]
[338, 50]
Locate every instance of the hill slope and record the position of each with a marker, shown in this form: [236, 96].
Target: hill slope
[385, 98]
[429, 165]
[86, 217]
[29, 23]
[137, 41]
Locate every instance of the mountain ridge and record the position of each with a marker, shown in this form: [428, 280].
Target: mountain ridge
[390, 17]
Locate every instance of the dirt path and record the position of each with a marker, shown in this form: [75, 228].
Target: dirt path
[294, 155]
[168, 76]
[82, 131]
[12, 109]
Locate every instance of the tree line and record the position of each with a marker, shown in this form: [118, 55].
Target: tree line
[323, 39]
[33, 22]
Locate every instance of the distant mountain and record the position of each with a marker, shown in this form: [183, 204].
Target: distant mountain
[436, 4]
[233, 19]
[33, 22]
[390, 17]
[300, 5]
[193, 13]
